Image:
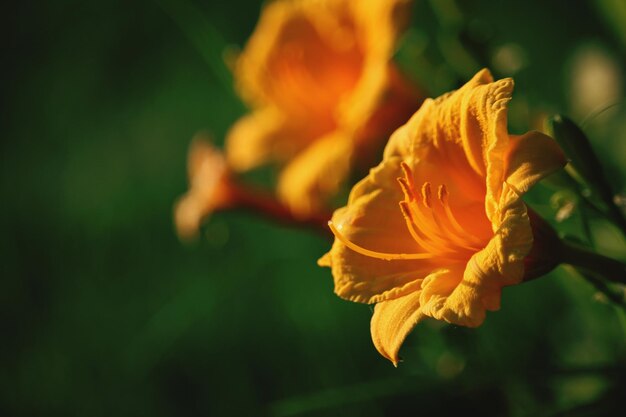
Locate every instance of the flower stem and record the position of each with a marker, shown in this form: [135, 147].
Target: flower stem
[265, 204]
[610, 269]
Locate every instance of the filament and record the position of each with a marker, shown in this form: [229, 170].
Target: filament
[375, 254]
[416, 234]
[443, 197]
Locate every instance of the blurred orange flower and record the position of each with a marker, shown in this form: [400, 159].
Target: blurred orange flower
[210, 187]
[319, 79]
[461, 231]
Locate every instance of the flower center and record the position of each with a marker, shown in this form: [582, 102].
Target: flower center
[431, 222]
[311, 73]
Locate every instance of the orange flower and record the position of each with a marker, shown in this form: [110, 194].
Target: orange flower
[439, 227]
[319, 78]
[210, 188]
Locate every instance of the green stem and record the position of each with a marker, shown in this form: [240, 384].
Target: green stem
[608, 268]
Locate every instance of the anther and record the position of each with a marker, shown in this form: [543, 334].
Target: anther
[408, 173]
[426, 194]
[406, 189]
[442, 193]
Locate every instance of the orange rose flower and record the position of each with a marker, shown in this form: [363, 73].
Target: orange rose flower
[319, 79]
[439, 227]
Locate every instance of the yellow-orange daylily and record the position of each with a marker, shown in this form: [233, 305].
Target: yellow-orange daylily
[319, 79]
[439, 227]
[210, 187]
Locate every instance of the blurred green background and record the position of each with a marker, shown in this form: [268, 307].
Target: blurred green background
[104, 312]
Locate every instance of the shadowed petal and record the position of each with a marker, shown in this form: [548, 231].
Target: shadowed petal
[315, 174]
[392, 321]
[260, 137]
[530, 158]
[437, 287]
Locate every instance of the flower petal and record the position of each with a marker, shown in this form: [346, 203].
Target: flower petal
[437, 287]
[259, 137]
[306, 182]
[392, 321]
[382, 21]
[209, 187]
[381, 88]
[465, 133]
[296, 47]
[530, 158]
[373, 220]
[499, 264]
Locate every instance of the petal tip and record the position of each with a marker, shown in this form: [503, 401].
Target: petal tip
[325, 260]
[186, 219]
[484, 76]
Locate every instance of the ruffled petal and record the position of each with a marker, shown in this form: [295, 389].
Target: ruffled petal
[465, 133]
[499, 264]
[373, 220]
[392, 321]
[437, 287]
[530, 158]
[489, 114]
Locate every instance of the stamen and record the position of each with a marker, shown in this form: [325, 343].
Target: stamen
[375, 254]
[416, 234]
[442, 193]
[426, 194]
[444, 233]
[435, 223]
[409, 195]
[443, 197]
[430, 224]
[408, 174]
